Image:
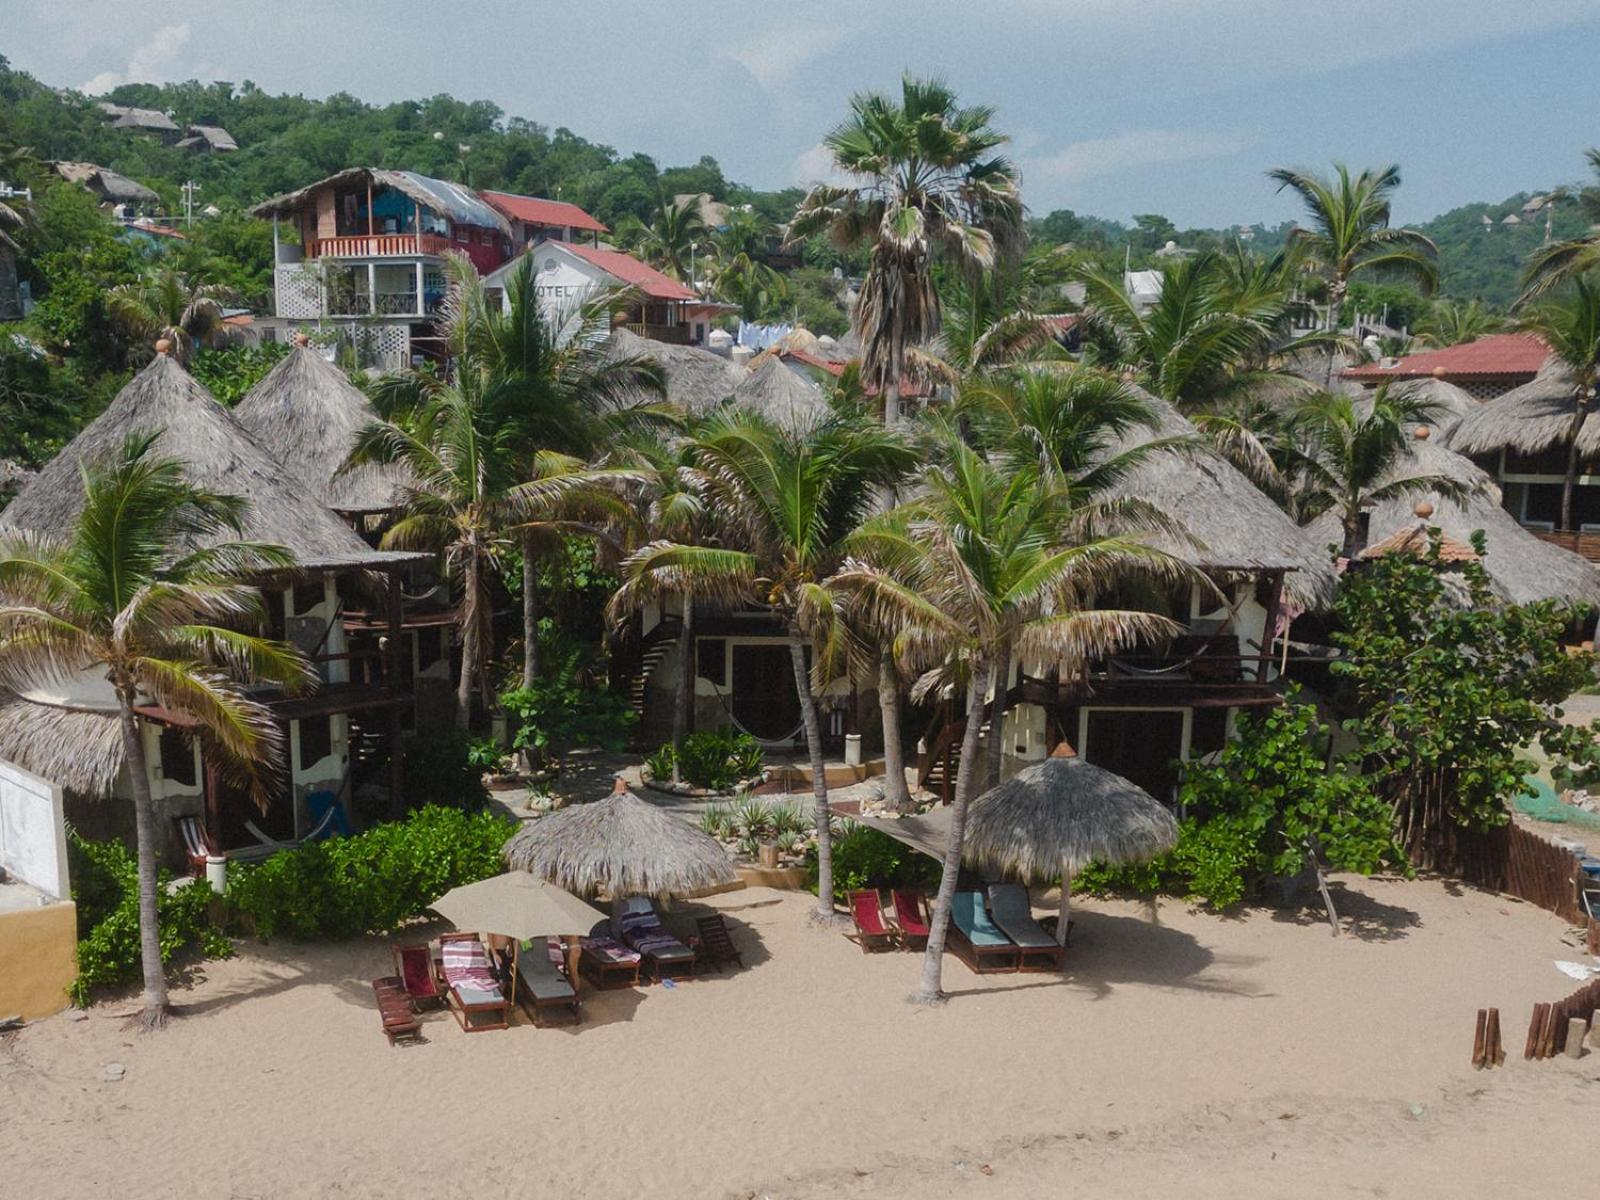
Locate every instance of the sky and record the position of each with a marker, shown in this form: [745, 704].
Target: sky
[1114, 107]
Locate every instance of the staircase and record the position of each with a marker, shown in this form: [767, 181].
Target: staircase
[655, 646]
[939, 767]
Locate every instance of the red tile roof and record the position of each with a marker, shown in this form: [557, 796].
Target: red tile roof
[814, 360]
[1497, 354]
[631, 272]
[535, 211]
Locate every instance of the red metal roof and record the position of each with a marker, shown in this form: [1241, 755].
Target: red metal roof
[534, 211]
[1497, 354]
[631, 272]
[814, 360]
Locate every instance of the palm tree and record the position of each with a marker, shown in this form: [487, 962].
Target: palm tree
[783, 503]
[1449, 323]
[931, 185]
[738, 269]
[126, 594]
[1346, 455]
[1350, 233]
[669, 239]
[166, 304]
[1571, 328]
[987, 561]
[1556, 262]
[1002, 315]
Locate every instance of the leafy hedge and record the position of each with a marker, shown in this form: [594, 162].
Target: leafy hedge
[371, 883]
[866, 858]
[713, 758]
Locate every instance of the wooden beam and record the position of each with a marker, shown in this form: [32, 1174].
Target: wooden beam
[397, 771]
[1274, 606]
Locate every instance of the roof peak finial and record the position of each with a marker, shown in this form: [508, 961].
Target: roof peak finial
[164, 346]
[300, 339]
[620, 787]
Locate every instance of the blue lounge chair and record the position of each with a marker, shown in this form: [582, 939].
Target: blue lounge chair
[978, 941]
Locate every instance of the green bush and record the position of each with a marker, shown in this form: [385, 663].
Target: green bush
[371, 883]
[228, 372]
[866, 858]
[716, 759]
[106, 889]
[563, 709]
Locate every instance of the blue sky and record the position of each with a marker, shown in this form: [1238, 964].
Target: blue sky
[1115, 106]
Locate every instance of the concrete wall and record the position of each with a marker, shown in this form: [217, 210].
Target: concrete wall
[38, 947]
[33, 839]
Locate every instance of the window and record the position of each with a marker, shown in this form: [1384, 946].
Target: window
[316, 740]
[177, 758]
[711, 660]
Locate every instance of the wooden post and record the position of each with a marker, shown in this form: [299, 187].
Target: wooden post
[397, 771]
[1480, 1038]
[1494, 1050]
[1274, 605]
[370, 227]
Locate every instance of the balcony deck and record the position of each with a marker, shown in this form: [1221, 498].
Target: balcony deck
[379, 245]
[1580, 542]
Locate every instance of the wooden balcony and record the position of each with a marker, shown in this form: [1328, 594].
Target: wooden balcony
[674, 335]
[379, 245]
[1580, 542]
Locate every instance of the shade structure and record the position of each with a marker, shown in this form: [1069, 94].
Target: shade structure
[620, 846]
[516, 905]
[1056, 816]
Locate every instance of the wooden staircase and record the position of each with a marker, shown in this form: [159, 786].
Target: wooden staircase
[655, 646]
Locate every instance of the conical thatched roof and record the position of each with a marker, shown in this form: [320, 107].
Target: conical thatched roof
[1237, 526]
[620, 846]
[307, 414]
[1530, 419]
[217, 454]
[1452, 404]
[1523, 568]
[1065, 813]
[780, 395]
[697, 380]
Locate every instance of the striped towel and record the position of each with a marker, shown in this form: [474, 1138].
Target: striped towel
[466, 968]
[660, 946]
[608, 950]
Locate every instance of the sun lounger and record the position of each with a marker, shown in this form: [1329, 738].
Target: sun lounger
[542, 982]
[1013, 914]
[475, 995]
[716, 943]
[911, 915]
[871, 932]
[976, 940]
[414, 966]
[607, 963]
[664, 955]
[394, 1009]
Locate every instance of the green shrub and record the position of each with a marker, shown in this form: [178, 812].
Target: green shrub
[484, 754]
[562, 710]
[228, 372]
[106, 889]
[715, 759]
[440, 770]
[866, 858]
[659, 762]
[371, 883]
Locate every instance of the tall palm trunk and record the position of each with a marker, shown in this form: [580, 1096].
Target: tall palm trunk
[1570, 480]
[997, 716]
[530, 613]
[1336, 293]
[819, 778]
[895, 791]
[1352, 536]
[688, 670]
[891, 387]
[144, 821]
[471, 620]
[932, 990]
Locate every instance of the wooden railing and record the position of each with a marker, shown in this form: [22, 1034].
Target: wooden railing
[1585, 544]
[676, 335]
[378, 245]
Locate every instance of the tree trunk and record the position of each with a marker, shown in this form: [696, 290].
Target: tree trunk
[1352, 536]
[1336, 293]
[997, 717]
[1570, 480]
[530, 613]
[144, 818]
[819, 780]
[891, 386]
[470, 602]
[932, 991]
[683, 715]
[895, 792]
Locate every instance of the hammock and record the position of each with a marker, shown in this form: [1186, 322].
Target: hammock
[739, 725]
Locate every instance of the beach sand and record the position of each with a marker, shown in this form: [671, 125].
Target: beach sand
[1239, 1056]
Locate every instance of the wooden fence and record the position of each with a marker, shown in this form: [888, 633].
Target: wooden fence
[1548, 1030]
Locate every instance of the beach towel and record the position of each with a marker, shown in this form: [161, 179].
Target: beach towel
[466, 968]
[609, 950]
[966, 910]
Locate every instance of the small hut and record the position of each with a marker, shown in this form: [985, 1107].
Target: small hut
[1528, 420]
[697, 380]
[308, 415]
[780, 395]
[107, 184]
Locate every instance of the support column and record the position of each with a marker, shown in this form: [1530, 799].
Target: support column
[396, 697]
[1274, 605]
[422, 301]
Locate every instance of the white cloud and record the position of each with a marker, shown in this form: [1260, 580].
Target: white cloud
[1140, 148]
[775, 57]
[150, 63]
[816, 166]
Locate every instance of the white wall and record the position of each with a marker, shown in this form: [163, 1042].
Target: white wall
[33, 835]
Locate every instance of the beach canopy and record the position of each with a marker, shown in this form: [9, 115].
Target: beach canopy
[516, 905]
[620, 846]
[1057, 816]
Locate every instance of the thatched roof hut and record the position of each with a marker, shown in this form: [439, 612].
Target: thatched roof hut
[78, 748]
[1529, 419]
[1237, 527]
[1451, 404]
[217, 454]
[697, 380]
[1522, 567]
[780, 395]
[308, 415]
[620, 846]
[105, 183]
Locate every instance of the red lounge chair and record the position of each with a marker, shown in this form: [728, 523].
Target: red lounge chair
[414, 965]
[394, 1010]
[911, 915]
[871, 932]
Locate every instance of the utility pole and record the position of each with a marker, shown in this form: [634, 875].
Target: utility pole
[190, 187]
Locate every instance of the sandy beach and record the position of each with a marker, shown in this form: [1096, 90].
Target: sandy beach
[1246, 1056]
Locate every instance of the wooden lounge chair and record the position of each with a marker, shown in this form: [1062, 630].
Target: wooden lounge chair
[976, 940]
[716, 943]
[911, 917]
[542, 982]
[665, 957]
[871, 932]
[1013, 914]
[414, 965]
[608, 964]
[394, 1009]
[474, 995]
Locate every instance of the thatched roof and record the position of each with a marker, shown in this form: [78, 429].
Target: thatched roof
[79, 749]
[1237, 526]
[13, 475]
[780, 395]
[307, 414]
[1522, 568]
[217, 453]
[697, 380]
[453, 200]
[1452, 404]
[108, 184]
[1064, 812]
[1532, 418]
[620, 846]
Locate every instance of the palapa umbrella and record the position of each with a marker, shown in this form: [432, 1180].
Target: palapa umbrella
[516, 905]
[620, 846]
[1058, 815]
